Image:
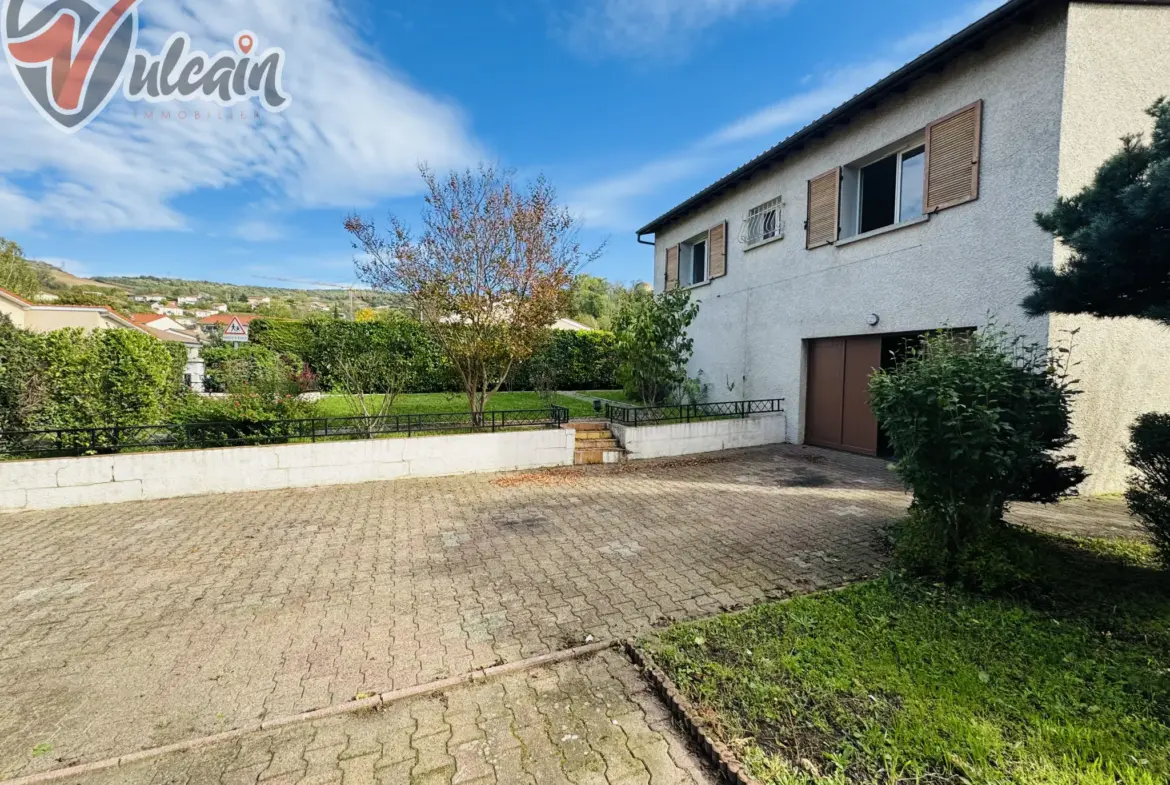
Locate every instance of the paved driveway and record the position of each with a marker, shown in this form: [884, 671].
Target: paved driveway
[131, 626]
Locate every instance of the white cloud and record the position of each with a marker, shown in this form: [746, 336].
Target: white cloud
[602, 203]
[612, 201]
[259, 231]
[354, 133]
[652, 29]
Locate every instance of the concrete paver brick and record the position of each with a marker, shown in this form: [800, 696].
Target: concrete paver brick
[135, 625]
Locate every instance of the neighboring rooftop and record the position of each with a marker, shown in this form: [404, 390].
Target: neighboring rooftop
[971, 38]
[226, 318]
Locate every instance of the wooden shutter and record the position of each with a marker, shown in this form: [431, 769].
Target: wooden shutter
[824, 202]
[952, 158]
[672, 268]
[717, 241]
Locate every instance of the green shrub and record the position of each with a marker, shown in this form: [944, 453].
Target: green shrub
[571, 361]
[1149, 491]
[104, 378]
[250, 369]
[653, 346]
[284, 336]
[23, 389]
[977, 422]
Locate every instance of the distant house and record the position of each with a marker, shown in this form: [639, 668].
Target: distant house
[156, 321]
[220, 307]
[254, 301]
[148, 298]
[187, 300]
[201, 314]
[569, 325]
[168, 309]
[44, 318]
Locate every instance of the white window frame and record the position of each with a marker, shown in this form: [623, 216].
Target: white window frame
[750, 238]
[686, 260]
[899, 150]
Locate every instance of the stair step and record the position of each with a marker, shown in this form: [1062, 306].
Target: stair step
[593, 435]
[593, 457]
[598, 444]
[589, 426]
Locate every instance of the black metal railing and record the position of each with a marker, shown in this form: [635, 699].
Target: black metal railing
[65, 442]
[691, 412]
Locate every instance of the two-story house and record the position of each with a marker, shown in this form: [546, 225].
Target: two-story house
[911, 208]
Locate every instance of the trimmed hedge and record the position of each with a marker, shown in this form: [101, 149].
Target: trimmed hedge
[581, 361]
[74, 379]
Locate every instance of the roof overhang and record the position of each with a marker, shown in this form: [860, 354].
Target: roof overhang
[971, 38]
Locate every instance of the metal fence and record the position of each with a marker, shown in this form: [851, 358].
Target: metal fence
[65, 442]
[691, 412]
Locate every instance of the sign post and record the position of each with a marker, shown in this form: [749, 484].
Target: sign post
[236, 332]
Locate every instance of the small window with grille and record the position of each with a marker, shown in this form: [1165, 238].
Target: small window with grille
[763, 224]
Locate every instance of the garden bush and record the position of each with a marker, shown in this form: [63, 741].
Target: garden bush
[653, 347]
[579, 361]
[576, 360]
[22, 389]
[976, 421]
[104, 378]
[250, 368]
[1148, 494]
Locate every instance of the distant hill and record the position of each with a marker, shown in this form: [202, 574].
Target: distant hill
[237, 293]
[50, 275]
[117, 291]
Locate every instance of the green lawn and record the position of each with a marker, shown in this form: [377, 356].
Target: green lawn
[610, 395]
[892, 681]
[426, 403]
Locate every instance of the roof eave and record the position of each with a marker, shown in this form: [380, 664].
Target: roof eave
[971, 37]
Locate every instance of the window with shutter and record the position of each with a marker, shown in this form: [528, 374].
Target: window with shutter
[824, 198]
[672, 268]
[952, 158]
[717, 241]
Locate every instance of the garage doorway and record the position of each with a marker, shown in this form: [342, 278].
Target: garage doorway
[837, 408]
[838, 415]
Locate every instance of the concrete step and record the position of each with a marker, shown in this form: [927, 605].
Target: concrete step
[594, 435]
[598, 444]
[594, 457]
[585, 427]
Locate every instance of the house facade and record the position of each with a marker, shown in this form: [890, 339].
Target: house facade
[911, 208]
[40, 318]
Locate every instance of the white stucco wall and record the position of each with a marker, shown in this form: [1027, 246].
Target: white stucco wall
[953, 270]
[76, 482]
[12, 311]
[1118, 63]
[664, 441]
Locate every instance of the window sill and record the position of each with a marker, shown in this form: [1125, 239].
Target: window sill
[698, 285]
[884, 230]
[762, 243]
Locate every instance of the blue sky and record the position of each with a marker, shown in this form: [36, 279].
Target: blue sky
[628, 106]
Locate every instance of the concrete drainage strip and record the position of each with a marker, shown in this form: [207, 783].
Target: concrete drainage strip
[714, 753]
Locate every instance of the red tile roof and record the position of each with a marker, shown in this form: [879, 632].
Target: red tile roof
[226, 318]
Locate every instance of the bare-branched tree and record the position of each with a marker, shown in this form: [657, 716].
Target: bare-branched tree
[491, 269]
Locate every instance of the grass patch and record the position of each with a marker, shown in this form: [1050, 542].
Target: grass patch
[432, 403]
[891, 681]
[617, 396]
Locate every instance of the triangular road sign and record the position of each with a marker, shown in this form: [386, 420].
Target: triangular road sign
[236, 331]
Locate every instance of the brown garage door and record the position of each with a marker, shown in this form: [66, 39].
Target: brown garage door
[838, 413]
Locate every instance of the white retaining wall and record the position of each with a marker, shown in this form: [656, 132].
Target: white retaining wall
[76, 482]
[664, 441]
